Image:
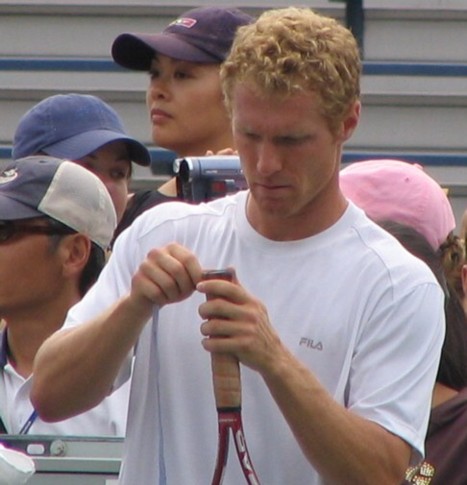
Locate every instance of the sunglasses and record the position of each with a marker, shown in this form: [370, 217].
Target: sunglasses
[8, 229]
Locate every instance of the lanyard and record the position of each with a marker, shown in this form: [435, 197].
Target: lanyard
[27, 425]
[2, 427]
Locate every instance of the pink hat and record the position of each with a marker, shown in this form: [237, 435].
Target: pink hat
[400, 192]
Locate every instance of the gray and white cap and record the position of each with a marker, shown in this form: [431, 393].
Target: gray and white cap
[63, 190]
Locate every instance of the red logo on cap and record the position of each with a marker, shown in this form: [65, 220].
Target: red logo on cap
[184, 22]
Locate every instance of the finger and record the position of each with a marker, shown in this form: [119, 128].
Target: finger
[219, 327]
[165, 287]
[226, 151]
[218, 288]
[226, 336]
[217, 307]
[173, 270]
[143, 289]
[188, 261]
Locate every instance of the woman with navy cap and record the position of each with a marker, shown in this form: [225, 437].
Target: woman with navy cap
[184, 96]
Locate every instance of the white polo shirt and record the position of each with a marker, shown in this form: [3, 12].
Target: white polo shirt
[106, 419]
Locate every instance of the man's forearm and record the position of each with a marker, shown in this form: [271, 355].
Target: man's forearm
[74, 369]
[342, 447]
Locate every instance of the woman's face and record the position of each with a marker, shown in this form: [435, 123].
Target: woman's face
[186, 107]
[112, 164]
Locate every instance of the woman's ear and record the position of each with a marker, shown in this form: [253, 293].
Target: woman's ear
[75, 250]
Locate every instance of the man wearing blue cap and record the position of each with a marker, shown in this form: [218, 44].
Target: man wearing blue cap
[56, 223]
[86, 130]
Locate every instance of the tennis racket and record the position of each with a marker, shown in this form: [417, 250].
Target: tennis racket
[228, 397]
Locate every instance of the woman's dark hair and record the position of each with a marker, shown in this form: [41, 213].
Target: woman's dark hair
[94, 264]
[452, 371]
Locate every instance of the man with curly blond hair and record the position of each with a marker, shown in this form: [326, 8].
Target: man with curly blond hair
[288, 53]
[337, 328]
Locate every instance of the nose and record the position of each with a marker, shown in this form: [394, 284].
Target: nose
[159, 88]
[269, 161]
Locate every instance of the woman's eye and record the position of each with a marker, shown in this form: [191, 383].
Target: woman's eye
[119, 174]
[181, 75]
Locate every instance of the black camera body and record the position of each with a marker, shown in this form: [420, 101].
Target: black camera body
[200, 179]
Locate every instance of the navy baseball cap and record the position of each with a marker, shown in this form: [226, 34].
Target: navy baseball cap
[203, 35]
[63, 190]
[72, 126]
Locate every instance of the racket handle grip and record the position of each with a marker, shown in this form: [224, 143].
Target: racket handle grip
[225, 367]
[226, 381]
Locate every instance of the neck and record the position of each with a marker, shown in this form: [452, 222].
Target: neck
[210, 145]
[441, 394]
[28, 330]
[318, 215]
[169, 188]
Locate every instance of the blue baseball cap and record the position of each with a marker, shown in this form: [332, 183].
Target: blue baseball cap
[203, 35]
[72, 126]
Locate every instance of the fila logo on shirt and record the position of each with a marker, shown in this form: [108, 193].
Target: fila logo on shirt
[310, 343]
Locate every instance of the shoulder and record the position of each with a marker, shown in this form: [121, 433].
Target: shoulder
[173, 220]
[183, 212]
[141, 201]
[376, 249]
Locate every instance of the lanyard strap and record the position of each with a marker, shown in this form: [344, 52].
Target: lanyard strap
[2, 427]
[27, 425]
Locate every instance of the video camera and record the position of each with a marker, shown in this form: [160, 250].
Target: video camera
[200, 179]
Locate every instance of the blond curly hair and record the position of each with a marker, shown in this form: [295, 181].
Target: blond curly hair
[452, 254]
[295, 49]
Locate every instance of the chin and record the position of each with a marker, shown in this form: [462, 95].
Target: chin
[164, 141]
[271, 207]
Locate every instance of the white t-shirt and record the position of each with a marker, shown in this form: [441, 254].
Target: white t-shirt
[364, 315]
[107, 419]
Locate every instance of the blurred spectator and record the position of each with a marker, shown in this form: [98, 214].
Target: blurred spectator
[86, 130]
[460, 275]
[446, 441]
[401, 192]
[413, 207]
[406, 193]
[463, 228]
[56, 223]
[461, 287]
